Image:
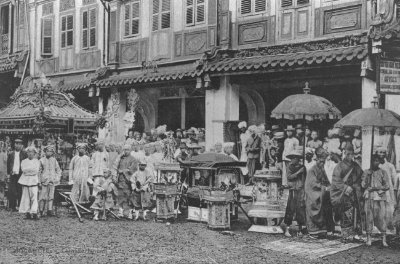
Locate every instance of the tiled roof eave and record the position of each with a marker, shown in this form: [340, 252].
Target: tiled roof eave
[289, 61]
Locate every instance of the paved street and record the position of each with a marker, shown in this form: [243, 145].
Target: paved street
[65, 240]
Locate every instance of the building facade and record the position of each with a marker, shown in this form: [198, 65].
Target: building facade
[14, 47]
[203, 63]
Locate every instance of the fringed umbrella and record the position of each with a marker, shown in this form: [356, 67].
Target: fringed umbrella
[306, 107]
[373, 117]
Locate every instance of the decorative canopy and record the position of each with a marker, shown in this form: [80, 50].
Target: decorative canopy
[370, 117]
[306, 106]
[34, 107]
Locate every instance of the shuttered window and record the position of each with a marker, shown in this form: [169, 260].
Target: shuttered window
[195, 12]
[89, 23]
[161, 15]
[47, 36]
[252, 6]
[303, 2]
[290, 3]
[132, 18]
[67, 31]
[286, 3]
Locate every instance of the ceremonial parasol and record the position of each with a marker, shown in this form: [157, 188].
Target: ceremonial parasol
[306, 106]
[370, 117]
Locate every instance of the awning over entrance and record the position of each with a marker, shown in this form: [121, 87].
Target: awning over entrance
[107, 80]
[159, 75]
[299, 59]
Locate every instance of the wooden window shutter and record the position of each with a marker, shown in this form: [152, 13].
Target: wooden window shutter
[190, 12]
[303, 2]
[85, 29]
[245, 7]
[200, 11]
[260, 6]
[113, 26]
[47, 36]
[93, 22]
[286, 3]
[135, 18]
[127, 19]
[156, 10]
[70, 32]
[63, 31]
[166, 14]
[212, 12]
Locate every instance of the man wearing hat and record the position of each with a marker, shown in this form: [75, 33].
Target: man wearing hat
[390, 170]
[346, 189]
[99, 162]
[317, 196]
[300, 134]
[296, 175]
[79, 174]
[49, 177]
[291, 144]
[253, 149]
[124, 167]
[141, 196]
[14, 172]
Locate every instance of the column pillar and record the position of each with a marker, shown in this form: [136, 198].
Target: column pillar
[183, 112]
[102, 132]
[368, 93]
[221, 105]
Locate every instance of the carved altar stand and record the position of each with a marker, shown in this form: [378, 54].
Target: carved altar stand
[269, 202]
[219, 208]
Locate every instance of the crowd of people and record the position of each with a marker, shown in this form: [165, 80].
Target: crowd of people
[325, 179]
[323, 174]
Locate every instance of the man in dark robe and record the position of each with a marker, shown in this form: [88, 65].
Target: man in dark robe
[346, 191]
[318, 201]
[124, 167]
[253, 149]
[295, 209]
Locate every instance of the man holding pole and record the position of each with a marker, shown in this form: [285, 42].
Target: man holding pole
[346, 189]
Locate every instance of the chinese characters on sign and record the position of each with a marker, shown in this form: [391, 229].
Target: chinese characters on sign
[390, 76]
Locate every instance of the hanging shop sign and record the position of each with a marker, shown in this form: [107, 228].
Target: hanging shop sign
[389, 76]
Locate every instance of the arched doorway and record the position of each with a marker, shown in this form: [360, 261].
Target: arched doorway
[139, 124]
[243, 113]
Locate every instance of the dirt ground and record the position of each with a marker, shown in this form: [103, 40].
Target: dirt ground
[65, 240]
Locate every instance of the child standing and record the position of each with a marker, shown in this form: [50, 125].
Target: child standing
[105, 191]
[375, 181]
[49, 177]
[141, 181]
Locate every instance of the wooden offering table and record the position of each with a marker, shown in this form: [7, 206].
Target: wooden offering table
[269, 201]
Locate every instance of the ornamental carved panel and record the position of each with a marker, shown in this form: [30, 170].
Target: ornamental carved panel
[344, 19]
[89, 59]
[48, 66]
[253, 32]
[129, 52]
[195, 43]
[178, 45]
[88, 2]
[67, 5]
[47, 9]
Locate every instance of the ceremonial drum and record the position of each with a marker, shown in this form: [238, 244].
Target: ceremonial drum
[165, 200]
[219, 204]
